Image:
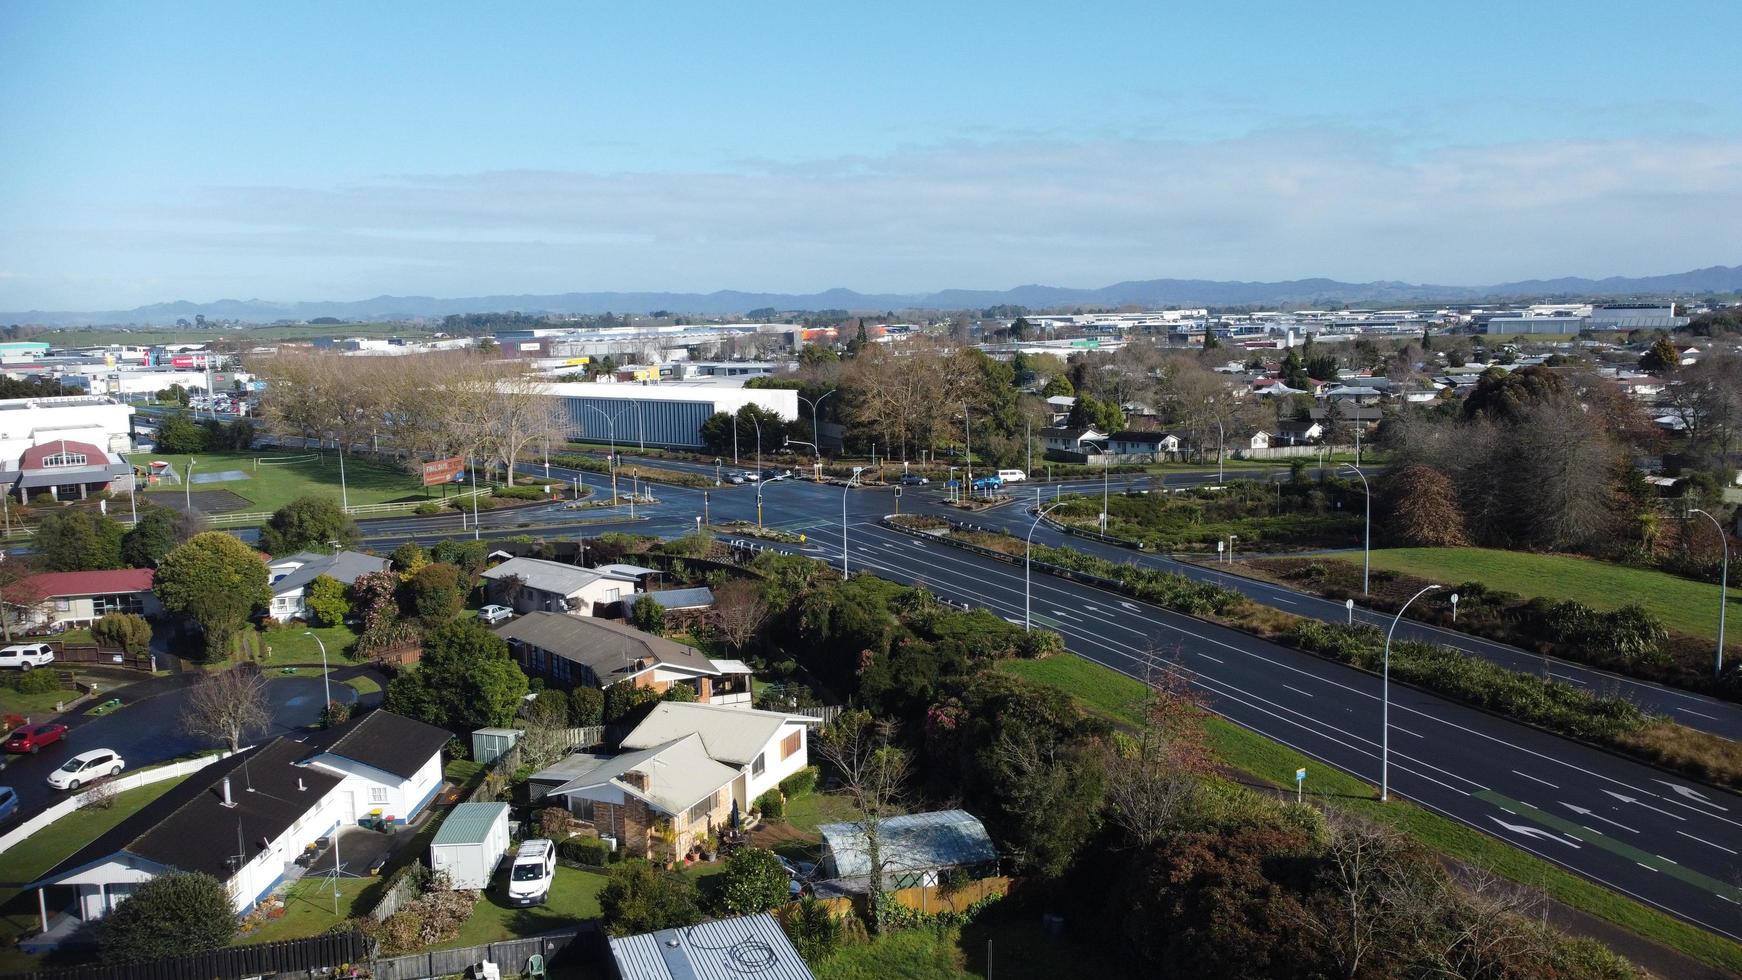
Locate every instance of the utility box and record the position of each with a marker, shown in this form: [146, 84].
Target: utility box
[488, 744]
[471, 843]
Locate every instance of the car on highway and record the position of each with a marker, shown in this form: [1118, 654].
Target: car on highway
[86, 768]
[776, 474]
[737, 478]
[495, 614]
[24, 656]
[8, 802]
[33, 738]
[914, 480]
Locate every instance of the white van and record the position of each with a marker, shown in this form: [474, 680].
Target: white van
[530, 875]
[1012, 476]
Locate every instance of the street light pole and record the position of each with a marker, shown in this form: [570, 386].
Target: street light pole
[1385, 701]
[816, 436]
[1367, 547]
[327, 684]
[1027, 548]
[611, 429]
[856, 471]
[1723, 586]
[188, 487]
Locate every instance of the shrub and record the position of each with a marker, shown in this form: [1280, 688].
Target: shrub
[435, 593]
[771, 805]
[335, 713]
[587, 706]
[647, 614]
[32, 681]
[752, 881]
[802, 781]
[428, 509]
[521, 492]
[326, 602]
[638, 897]
[590, 851]
[812, 929]
[682, 693]
[129, 631]
[168, 915]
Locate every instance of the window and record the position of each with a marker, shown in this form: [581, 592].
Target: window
[123, 603]
[377, 794]
[759, 766]
[791, 744]
[700, 811]
[64, 459]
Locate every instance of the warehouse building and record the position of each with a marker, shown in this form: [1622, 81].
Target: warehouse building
[667, 414]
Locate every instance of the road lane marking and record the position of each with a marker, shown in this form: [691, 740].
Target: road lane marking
[1533, 779]
[1636, 802]
[1692, 794]
[1705, 842]
[1297, 690]
[1581, 811]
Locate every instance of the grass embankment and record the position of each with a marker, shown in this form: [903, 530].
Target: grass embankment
[639, 471]
[1288, 515]
[1683, 605]
[33, 706]
[269, 487]
[34, 856]
[1115, 696]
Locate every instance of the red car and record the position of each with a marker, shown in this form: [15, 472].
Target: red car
[32, 738]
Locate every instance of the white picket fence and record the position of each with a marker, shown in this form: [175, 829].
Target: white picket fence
[132, 780]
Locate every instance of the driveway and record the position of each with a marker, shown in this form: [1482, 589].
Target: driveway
[148, 730]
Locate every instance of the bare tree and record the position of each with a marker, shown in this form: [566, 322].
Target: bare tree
[874, 772]
[739, 612]
[520, 413]
[227, 705]
[1363, 882]
[1153, 776]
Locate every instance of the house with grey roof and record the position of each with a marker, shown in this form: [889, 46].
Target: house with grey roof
[291, 576]
[539, 585]
[575, 651]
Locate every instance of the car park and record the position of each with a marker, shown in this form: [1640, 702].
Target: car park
[495, 614]
[34, 738]
[86, 768]
[532, 872]
[24, 656]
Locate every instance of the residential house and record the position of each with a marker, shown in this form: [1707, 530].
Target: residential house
[1058, 407]
[1358, 394]
[537, 585]
[686, 768]
[79, 598]
[1258, 440]
[1297, 432]
[244, 819]
[390, 765]
[717, 949]
[292, 575]
[1130, 446]
[1064, 443]
[574, 651]
[916, 849]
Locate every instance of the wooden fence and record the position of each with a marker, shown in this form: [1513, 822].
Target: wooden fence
[930, 899]
[511, 955]
[496, 778]
[111, 656]
[313, 955]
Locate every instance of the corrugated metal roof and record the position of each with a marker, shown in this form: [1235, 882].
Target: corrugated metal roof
[727, 949]
[940, 839]
[469, 823]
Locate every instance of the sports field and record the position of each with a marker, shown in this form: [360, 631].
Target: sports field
[1685, 606]
[265, 485]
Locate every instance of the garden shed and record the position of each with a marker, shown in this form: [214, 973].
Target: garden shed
[471, 843]
[488, 744]
[917, 848]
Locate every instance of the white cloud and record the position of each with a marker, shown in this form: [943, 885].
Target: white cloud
[1283, 204]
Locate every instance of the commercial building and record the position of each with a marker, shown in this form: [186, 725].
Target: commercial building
[666, 414]
[28, 422]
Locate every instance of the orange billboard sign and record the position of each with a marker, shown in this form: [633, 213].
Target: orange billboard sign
[443, 470]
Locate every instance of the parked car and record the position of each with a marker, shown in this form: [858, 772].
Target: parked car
[914, 480]
[8, 802]
[532, 872]
[799, 875]
[32, 738]
[495, 614]
[24, 656]
[735, 478]
[86, 768]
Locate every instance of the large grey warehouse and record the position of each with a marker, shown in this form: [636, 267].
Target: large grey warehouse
[668, 413]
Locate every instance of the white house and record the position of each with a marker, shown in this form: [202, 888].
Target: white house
[1072, 440]
[1147, 447]
[386, 762]
[538, 585]
[1259, 440]
[764, 746]
[291, 576]
[77, 598]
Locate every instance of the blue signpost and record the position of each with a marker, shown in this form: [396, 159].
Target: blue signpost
[1299, 785]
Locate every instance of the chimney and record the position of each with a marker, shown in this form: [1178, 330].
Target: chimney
[636, 778]
[227, 800]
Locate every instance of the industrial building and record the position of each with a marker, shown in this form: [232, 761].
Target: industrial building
[666, 414]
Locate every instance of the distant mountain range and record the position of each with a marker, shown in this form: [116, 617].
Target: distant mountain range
[1149, 292]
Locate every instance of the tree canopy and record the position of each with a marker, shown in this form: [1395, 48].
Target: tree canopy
[170, 914]
[308, 523]
[77, 540]
[465, 680]
[216, 581]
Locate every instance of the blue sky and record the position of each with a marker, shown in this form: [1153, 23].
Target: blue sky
[329, 151]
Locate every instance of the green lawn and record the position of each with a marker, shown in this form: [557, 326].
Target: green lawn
[46, 848]
[573, 895]
[271, 487]
[1114, 695]
[33, 706]
[364, 685]
[308, 909]
[295, 646]
[1684, 605]
[808, 811]
[909, 954]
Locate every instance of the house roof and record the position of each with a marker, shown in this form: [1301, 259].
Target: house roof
[679, 775]
[189, 828]
[683, 598]
[345, 566]
[1062, 433]
[1293, 426]
[33, 457]
[622, 569]
[724, 949]
[731, 666]
[382, 740]
[1133, 435]
[610, 649]
[468, 823]
[940, 839]
[552, 576]
[51, 585]
[730, 734]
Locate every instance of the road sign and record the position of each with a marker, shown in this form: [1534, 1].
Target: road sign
[1299, 784]
[443, 470]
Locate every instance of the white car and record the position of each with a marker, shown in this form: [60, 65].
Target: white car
[23, 656]
[495, 614]
[86, 768]
[530, 875]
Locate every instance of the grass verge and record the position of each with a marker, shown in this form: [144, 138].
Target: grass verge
[1115, 696]
[270, 487]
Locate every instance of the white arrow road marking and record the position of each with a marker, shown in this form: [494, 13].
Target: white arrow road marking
[1692, 794]
[1581, 811]
[1629, 799]
[1707, 843]
[1533, 832]
[1131, 606]
[1061, 612]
